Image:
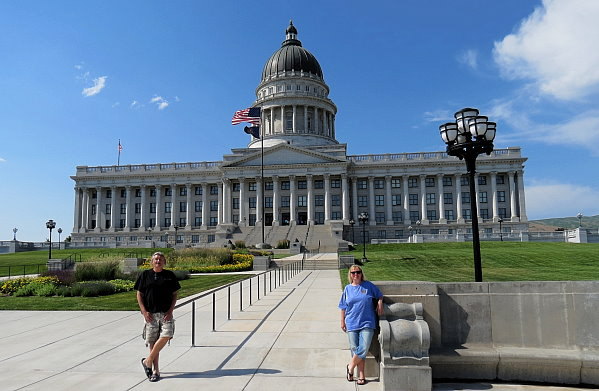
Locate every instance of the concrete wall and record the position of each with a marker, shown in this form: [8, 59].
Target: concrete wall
[524, 331]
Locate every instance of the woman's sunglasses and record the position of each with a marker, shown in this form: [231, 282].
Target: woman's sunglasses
[356, 272]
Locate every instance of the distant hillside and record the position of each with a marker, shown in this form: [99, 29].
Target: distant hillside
[588, 222]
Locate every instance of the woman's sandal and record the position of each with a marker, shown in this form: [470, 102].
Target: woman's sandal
[147, 370]
[349, 375]
[361, 382]
[155, 377]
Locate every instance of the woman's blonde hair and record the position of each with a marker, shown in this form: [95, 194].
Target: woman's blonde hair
[354, 268]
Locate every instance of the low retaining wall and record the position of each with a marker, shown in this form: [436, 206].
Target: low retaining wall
[515, 331]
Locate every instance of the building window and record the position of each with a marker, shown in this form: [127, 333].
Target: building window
[335, 183]
[395, 183]
[502, 213]
[211, 238]
[319, 184]
[213, 206]
[430, 198]
[379, 217]
[302, 200]
[123, 209]
[123, 193]
[198, 206]
[302, 184]
[362, 184]
[153, 192]
[108, 209]
[335, 200]
[183, 191]
[122, 223]
[252, 202]
[197, 222]
[152, 207]
[318, 200]
[412, 182]
[137, 207]
[152, 222]
[235, 203]
[467, 214]
[449, 214]
[167, 207]
[168, 191]
[137, 223]
[431, 214]
[182, 206]
[198, 190]
[500, 179]
[397, 216]
[268, 202]
[414, 216]
[363, 201]
[447, 181]
[448, 198]
[94, 194]
[484, 214]
[108, 193]
[214, 221]
[382, 234]
[285, 185]
[501, 196]
[285, 201]
[335, 215]
[195, 238]
[413, 199]
[482, 179]
[236, 186]
[319, 217]
[465, 198]
[167, 222]
[399, 233]
[252, 186]
[137, 192]
[268, 186]
[214, 190]
[182, 221]
[464, 181]
[396, 199]
[429, 182]
[482, 197]
[379, 184]
[379, 200]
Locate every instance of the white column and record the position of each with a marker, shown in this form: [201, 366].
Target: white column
[442, 219]
[309, 180]
[85, 212]
[275, 200]
[354, 192]
[494, 196]
[219, 197]
[113, 210]
[292, 200]
[190, 207]
[345, 198]
[282, 127]
[294, 116]
[226, 199]
[521, 197]
[144, 209]
[159, 207]
[174, 206]
[514, 217]
[77, 212]
[406, 200]
[389, 212]
[129, 210]
[371, 211]
[423, 218]
[99, 212]
[259, 197]
[242, 214]
[458, 198]
[205, 206]
[327, 197]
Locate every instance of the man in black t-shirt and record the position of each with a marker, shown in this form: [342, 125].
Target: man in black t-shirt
[156, 295]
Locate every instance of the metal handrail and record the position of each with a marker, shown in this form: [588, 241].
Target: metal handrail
[24, 269]
[284, 274]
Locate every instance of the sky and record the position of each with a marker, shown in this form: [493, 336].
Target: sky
[165, 78]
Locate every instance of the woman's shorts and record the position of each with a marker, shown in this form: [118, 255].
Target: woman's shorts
[158, 328]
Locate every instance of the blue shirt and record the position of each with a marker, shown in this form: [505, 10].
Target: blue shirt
[357, 301]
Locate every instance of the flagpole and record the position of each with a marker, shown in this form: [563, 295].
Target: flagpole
[262, 180]
[118, 162]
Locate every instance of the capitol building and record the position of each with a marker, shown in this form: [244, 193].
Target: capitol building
[297, 182]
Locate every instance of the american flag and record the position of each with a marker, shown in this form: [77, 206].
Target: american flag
[120, 146]
[251, 115]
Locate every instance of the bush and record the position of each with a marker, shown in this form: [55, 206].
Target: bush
[11, 286]
[40, 286]
[121, 285]
[282, 244]
[239, 258]
[65, 277]
[97, 271]
[93, 288]
[239, 244]
[237, 267]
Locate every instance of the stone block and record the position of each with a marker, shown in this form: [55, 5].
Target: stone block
[469, 362]
[406, 378]
[261, 263]
[539, 365]
[129, 265]
[589, 372]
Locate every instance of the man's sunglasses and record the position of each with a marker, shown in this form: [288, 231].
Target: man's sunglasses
[357, 272]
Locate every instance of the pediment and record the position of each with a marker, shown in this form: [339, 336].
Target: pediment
[283, 154]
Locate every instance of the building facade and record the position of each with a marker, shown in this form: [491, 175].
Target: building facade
[296, 174]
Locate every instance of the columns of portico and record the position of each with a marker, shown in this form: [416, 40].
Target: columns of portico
[282, 127]
[305, 119]
[205, 206]
[275, 200]
[219, 197]
[309, 180]
[85, 210]
[520, 179]
[354, 195]
[406, 201]
[476, 201]
[371, 212]
[345, 198]
[514, 217]
[189, 210]
[259, 199]
[327, 197]
[442, 219]
[226, 201]
[494, 196]
[423, 217]
[144, 209]
[389, 213]
[128, 209]
[113, 212]
[78, 210]
[99, 214]
[242, 217]
[458, 198]
[174, 206]
[294, 127]
[292, 200]
[158, 208]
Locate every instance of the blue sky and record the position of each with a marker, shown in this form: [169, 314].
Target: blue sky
[166, 77]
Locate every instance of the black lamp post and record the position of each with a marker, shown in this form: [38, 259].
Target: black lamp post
[14, 231]
[418, 230]
[50, 224]
[363, 218]
[500, 230]
[176, 232]
[351, 223]
[466, 138]
[59, 230]
[579, 215]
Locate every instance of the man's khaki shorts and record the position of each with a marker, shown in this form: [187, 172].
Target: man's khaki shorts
[158, 328]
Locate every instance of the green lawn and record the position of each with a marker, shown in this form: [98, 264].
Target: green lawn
[119, 302]
[501, 261]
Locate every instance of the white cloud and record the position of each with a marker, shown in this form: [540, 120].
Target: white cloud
[98, 86]
[438, 116]
[546, 199]
[2, 160]
[160, 102]
[134, 104]
[469, 58]
[555, 47]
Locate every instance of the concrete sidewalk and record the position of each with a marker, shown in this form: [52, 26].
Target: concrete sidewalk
[288, 339]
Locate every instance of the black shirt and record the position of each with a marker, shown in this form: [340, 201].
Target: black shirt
[157, 289]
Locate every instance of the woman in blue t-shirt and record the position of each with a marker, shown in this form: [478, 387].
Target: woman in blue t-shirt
[358, 318]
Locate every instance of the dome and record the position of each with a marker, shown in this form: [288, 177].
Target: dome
[291, 57]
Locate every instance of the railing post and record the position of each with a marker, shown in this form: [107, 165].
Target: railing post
[250, 289]
[193, 323]
[229, 302]
[213, 311]
[258, 286]
[264, 284]
[240, 296]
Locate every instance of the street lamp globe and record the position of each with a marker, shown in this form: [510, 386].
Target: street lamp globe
[59, 230]
[14, 231]
[363, 218]
[50, 224]
[579, 215]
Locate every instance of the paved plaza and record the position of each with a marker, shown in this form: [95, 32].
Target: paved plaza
[287, 339]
